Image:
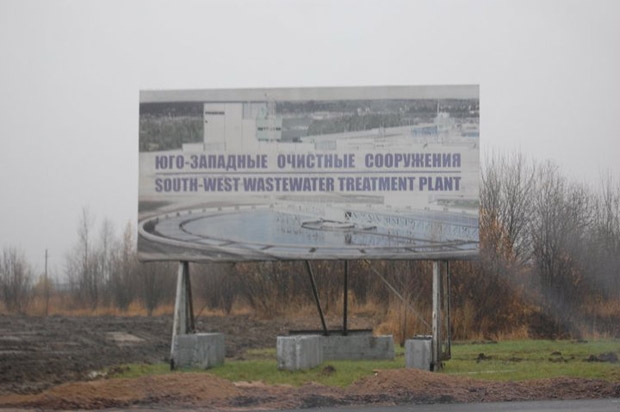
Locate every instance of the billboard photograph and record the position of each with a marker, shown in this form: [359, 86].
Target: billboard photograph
[309, 173]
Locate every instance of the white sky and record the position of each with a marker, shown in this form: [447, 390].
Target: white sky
[70, 73]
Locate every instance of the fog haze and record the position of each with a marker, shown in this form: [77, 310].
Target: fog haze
[71, 73]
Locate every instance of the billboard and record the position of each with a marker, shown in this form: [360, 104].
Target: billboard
[309, 173]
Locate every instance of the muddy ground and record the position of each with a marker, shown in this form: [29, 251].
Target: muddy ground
[39, 352]
[52, 363]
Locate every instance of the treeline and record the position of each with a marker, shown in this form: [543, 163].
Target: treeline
[169, 132]
[549, 267]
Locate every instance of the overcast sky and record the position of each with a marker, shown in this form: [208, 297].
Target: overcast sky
[71, 71]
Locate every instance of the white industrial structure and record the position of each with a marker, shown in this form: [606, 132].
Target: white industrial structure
[234, 126]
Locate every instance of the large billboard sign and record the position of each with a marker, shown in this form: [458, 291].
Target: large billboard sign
[311, 173]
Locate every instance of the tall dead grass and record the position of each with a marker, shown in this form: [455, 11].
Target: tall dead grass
[507, 318]
[60, 305]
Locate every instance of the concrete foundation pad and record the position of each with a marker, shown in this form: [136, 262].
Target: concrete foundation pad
[357, 347]
[199, 350]
[418, 353]
[299, 352]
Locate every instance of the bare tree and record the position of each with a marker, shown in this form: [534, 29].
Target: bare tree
[217, 284]
[272, 287]
[105, 252]
[75, 263]
[122, 282]
[328, 275]
[605, 242]
[82, 264]
[15, 280]
[562, 216]
[506, 198]
[157, 283]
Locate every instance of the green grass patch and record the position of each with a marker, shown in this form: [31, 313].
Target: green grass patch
[533, 359]
[504, 361]
[136, 370]
[331, 373]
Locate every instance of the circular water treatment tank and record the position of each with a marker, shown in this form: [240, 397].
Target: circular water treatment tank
[259, 233]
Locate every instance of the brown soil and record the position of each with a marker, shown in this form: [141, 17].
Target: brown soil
[48, 363]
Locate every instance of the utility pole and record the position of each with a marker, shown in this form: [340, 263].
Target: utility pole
[47, 287]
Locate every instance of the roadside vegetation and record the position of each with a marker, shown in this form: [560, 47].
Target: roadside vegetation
[549, 268]
[536, 359]
[513, 361]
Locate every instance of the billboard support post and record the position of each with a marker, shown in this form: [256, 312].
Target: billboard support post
[316, 298]
[183, 322]
[345, 298]
[447, 353]
[436, 322]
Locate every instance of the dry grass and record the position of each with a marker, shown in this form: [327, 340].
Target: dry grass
[59, 305]
[600, 318]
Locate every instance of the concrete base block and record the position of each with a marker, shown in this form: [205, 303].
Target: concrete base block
[299, 352]
[199, 350]
[418, 353]
[357, 347]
